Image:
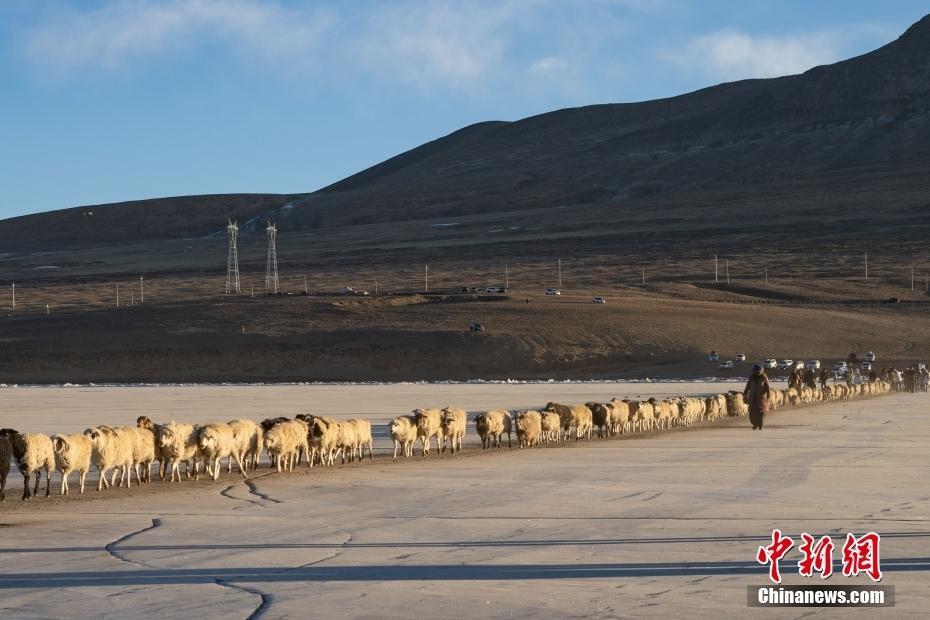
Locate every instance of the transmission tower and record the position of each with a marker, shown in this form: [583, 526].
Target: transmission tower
[232, 259]
[271, 265]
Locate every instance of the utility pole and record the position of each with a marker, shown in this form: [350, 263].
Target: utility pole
[47, 311]
[376, 287]
[232, 258]
[253, 290]
[506, 276]
[306, 290]
[14, 297]
[560, 273]
[912, 278]
[728, 272]
[716, 269]
[117, 294]
[141, 290]
[766, 275]
[644, 275]
[866, 265]
[132, 299]
[426, 278]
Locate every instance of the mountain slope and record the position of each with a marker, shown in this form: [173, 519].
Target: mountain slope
[866, 115]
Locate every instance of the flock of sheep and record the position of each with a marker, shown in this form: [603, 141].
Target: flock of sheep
[124, 450]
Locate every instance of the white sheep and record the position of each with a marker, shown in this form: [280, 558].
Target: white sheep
[112, 449]
[363, 432]
[249, 440]
[323, 437]
[404, 434]
[33, 452]
[179, 443]
[491, 425]
[160, 454]
[551, 426]
[143, 451]
[287, 440]
[217, 441]
[429, 425]
[346, 440]
[529, 428]
[73, 453]
[454, 425]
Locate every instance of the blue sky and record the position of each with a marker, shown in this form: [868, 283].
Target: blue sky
[102, 101]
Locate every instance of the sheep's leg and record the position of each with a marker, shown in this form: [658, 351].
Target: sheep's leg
[83, 476]
[64, 484]
[239, 463]
[26, 481]
[102, 480]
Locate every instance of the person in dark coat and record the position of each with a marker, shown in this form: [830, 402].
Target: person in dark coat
[757, 396]
[823, 378]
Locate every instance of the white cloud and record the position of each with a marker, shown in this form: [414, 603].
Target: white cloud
[117, 34]
[548, 64]
[732, 55]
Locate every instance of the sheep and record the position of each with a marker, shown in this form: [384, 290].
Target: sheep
[33, 452]
[113, 449]
[73, 453]
[574, 416]
[249, 440]
[287, 440]
[529, 428]
[363, 430]
[664, 413]
[715, 406]
[600, 417]
[736, 404]
[404, 434]
[491, 425]
[6, 454]
[143, 450]
[160, 455]
[642, 413]
[346, 440]
[551, 424]
[178, 442]
[323, 436]
[429, 425]
[217, 441]
[619, 420]
[454, 425]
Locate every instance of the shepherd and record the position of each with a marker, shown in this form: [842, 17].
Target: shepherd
[757, 395]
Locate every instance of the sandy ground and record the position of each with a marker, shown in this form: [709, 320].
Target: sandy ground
[665, 525]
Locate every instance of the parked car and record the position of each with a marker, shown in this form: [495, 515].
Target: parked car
[770, 363]
[600, 300]
[553, 291]
[713, 357]
[866, 366]
[726, 364]
[475, 326]
[840, 368]
[786, 365]
[799, 365]
[469, 289]
[890, 300]
[740, 357]
[812, 365]
[495, 289]
[870, 357]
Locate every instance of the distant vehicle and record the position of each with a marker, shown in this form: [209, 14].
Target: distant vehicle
[600, 300]
[495, 289]
[890, 300]
[713, 357]
[348, 290]
[475, 326]
[740, 357]
[469, 289]
[726, 365]
[786, 365]
[553, 291]
[812, 365]
[840, 368]
[870, 357]
[770, 363]
[799, 365]
[866, 365]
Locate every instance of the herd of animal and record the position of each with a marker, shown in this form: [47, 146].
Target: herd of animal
[126, 450]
